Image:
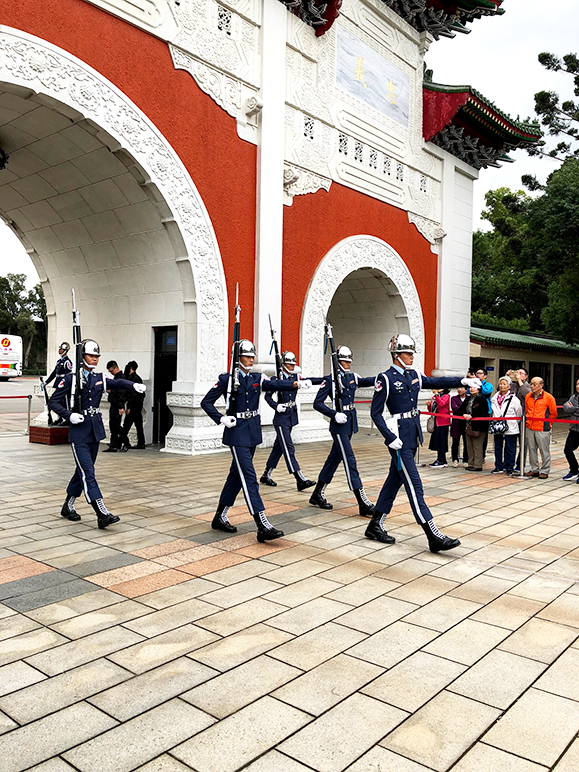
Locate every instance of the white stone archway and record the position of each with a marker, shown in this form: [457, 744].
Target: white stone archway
[346, 257]
[58, 77]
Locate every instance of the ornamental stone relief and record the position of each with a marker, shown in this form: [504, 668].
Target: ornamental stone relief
[37, 65]
[222, 89]
[344, 258]
[298, 182]
[432, 231]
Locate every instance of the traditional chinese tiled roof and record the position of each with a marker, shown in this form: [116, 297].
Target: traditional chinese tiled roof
[500, 337]
[461, 121]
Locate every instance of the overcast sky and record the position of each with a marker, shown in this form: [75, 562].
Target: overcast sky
[498, 58]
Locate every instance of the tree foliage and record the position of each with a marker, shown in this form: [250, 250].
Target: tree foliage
[525, 269]
[21, 311]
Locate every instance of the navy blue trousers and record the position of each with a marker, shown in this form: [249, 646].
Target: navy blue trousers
[83, 479]
[407, 476]
[505, 451]
[242, 477]
[341, 452]
[283, 446]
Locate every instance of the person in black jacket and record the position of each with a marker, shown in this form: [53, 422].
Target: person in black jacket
[116, 399]
[475, 406]
[134, 409]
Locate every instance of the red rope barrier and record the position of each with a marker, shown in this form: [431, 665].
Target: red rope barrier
[20, 396]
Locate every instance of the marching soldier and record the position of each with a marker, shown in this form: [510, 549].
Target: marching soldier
[242, 433]
[63, 365]
[86, 430]
[285, 418]
[342, 426]
[398, 389]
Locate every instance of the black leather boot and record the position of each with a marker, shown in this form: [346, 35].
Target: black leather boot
[221, 522]
[375, 529]
[302, 482]
[265, 530]
[317, 499]
[437, 541]
[365, 506]
[266, 478]
[68, 511]
[104, 517]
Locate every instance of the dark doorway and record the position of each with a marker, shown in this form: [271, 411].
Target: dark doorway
[165, 373]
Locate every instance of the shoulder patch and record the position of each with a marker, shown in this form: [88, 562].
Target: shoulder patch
[378, 386]
[216, 385]
[61, 384]
[323, 383]
[414, 380]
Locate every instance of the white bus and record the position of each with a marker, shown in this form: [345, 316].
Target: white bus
[10, 356]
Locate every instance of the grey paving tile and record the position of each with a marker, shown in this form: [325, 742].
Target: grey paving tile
[340, 736]
[28, 644]
[50, 736]
[62, 690]
[153, 687]
[163, 648]
[33, 583]
[141, 739]
[70, 607]
[239, 687]
[94, 646]
[104, 564]
[241, 737]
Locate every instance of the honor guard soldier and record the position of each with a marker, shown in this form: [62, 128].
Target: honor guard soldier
[397, 389]
[285, 418]
[242, 433]
[342, 426]
[86, 430]
[63, 365]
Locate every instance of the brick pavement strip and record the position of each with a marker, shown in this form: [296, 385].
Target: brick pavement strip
[488, 631]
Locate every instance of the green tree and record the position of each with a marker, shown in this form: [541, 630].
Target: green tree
[20, 312]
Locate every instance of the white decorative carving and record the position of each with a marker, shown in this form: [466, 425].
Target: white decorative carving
[222, 89]
[432, 231]
[253, 105]
[44, 68]
[297, 182]
[345, 257]
[153, 15]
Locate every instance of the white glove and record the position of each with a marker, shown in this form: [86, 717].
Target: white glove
[140, 387]
[304, 383]
[396, 444]
[281, 408]
[76, 418]
[341, 418]
[472, 382]
[228, 420]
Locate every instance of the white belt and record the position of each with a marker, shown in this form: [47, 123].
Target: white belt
[289, 404]
[91, 411]
[410, 414]
[248, 414]
[348, 407]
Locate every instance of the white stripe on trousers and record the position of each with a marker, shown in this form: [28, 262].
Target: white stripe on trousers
[280, 436]
[82, 474]
[411, 486]
[346, 467]
[243, 483]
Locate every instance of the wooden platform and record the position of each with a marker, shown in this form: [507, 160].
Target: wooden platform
[49, 435]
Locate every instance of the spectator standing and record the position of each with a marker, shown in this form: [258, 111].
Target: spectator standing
[475, 406]
[440, 404]
[134, 409]
[457, 428]
[486, 391]
[520, 388]
[571, 408]
[116, 399]
[506, 405]
[540, 410]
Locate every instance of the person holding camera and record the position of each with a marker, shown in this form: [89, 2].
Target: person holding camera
[505, 405]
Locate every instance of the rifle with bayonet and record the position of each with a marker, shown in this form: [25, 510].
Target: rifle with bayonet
[338, 386]
[45, 395]
[75, 395]
[233, 386]
[275, 349]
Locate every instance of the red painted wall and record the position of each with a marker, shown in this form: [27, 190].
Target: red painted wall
[317, 222]
[222, 166]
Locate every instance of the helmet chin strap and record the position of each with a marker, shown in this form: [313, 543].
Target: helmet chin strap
[244, 368]
[87, 366]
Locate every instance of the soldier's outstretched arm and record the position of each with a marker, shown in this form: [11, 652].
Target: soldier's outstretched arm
[446, 382]
[209, 400]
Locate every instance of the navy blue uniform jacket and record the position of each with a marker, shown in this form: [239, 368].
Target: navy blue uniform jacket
[247, 432]
[399, 392]
[351, 382]
[63, 367]
[92, 427]
[290, 416]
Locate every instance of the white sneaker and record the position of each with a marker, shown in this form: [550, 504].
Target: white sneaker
[455, 463]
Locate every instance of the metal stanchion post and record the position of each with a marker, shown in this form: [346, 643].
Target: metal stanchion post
[29, 411]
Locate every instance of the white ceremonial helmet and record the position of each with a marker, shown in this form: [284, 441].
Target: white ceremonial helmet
[246, 348]
[344, 354]
[64, 346]
[402, 344]
[90, 347]
[288, 358]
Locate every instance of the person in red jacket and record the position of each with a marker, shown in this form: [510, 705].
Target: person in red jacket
[541, 410]
[440, 404]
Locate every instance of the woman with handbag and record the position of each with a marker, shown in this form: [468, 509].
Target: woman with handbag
[505, 405]
[440, 404]
[475, 406]
[457, 428]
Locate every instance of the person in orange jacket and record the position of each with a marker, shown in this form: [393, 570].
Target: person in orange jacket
[541, 410]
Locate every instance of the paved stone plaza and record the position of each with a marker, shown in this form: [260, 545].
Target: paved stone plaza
[161, 645]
